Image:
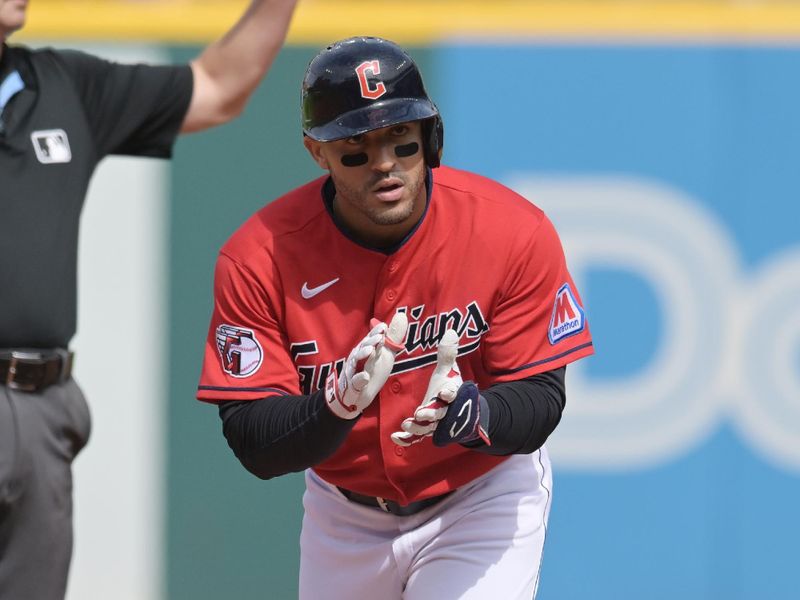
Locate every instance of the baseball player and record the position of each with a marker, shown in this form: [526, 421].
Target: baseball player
[399, 330]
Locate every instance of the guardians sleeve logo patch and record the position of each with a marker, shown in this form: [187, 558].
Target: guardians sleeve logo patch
[239, 349]
[568, 317]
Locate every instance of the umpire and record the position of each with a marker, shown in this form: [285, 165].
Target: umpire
[61, 112]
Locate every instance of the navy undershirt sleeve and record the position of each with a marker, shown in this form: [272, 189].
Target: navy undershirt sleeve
[523, 413]
[282, 434]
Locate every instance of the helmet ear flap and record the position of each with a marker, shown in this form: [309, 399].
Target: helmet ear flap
[433, 137]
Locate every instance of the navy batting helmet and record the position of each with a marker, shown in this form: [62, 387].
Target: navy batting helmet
[365, 83]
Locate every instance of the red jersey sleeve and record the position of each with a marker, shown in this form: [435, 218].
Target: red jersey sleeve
[539, 322]
[246, 355]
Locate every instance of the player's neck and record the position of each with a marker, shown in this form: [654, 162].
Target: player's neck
[363, 230]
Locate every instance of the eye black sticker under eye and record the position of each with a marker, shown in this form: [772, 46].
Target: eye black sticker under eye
[354, 160]
[406, 150]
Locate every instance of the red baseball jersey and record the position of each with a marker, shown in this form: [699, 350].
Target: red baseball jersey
[293, 295]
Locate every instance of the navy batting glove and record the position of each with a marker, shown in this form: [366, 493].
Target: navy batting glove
[467, 418]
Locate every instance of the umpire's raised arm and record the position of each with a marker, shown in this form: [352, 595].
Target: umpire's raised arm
[228, 71]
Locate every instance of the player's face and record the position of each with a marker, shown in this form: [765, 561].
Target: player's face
[379, 178]
[12, 16]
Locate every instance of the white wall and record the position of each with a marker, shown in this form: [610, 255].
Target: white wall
[119, 491]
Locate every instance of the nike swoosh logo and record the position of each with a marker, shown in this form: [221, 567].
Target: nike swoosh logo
[309, 293]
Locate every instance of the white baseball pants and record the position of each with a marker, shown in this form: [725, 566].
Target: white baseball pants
[482, 542]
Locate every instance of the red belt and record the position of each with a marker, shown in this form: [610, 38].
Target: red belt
[33, 371]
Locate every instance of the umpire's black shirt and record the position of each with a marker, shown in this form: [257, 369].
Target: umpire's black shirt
[74, 109]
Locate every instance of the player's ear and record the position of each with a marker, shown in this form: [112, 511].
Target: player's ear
[315, 150]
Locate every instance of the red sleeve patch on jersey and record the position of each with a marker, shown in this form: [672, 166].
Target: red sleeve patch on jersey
[239, 350]
[568, 317]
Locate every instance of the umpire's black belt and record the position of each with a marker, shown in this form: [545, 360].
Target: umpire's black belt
[34, 370]
[390, 506]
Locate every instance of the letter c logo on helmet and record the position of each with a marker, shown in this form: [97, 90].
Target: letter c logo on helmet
[373, 67]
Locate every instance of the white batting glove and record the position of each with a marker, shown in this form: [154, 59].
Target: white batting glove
[442, 390]
[366, 369]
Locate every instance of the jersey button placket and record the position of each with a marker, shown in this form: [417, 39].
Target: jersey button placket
[386, 300]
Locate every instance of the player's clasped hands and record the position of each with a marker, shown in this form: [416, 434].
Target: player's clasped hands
[366, 369]
[442, 390]
[452, 410]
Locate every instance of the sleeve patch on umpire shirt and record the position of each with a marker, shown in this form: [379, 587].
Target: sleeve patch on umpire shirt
[239, 350]
[568, 317]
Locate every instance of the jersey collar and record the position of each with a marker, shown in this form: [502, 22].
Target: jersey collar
[329, 193]
[10, 79]
[15, 60]
[9, 86]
